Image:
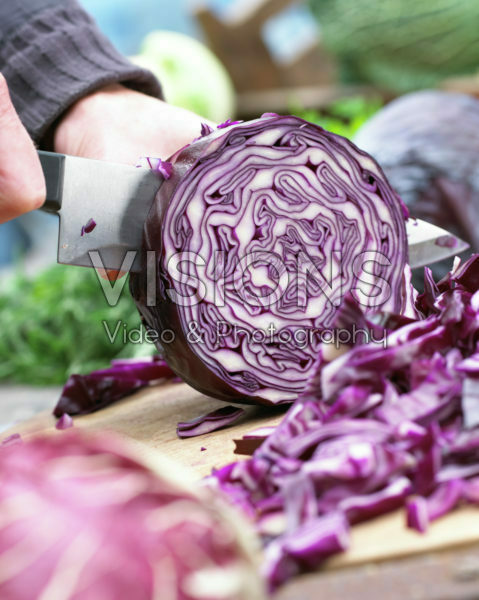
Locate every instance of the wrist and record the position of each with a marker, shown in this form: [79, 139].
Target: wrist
[68, 135]
[119, 124]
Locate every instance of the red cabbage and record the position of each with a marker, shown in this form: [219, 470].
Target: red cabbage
[11, 440]
[252, 440]
[88, 228]
[64, 422]
[217, 419]
[421, 511]
[375, 429]
[83, 519]
[228, 123]
[83, 394]
[427, 143]
[471, 490]
[206, 129]
[470, 399]
[162, 167]
[311, 543]
[260, 231]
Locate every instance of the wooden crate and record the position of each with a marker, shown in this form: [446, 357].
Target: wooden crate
[262, 82]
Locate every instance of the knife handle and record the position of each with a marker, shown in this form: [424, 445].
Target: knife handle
[53, 166]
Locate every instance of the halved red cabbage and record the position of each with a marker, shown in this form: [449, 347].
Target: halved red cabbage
[375, 429]
[259, 232]
[88, 227]
[82, 518]
[306, 547]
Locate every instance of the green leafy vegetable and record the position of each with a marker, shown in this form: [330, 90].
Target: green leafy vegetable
[344, 117]
[59, 322]
[400, 45]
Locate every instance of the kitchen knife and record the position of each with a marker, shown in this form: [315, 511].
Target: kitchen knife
[428, 243]
[118, 198]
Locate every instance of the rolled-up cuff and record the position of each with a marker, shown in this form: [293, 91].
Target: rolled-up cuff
[58, 57]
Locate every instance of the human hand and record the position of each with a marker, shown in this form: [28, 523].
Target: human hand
[121, 125]
[22, 184]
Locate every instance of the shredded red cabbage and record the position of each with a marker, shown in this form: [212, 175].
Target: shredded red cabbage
[206, 129]
[83, 394]
[88, 228]
[375, 429]
[252, 440]
[217, 419]
[162, 167]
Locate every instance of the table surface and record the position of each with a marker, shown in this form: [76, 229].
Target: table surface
[18, 403]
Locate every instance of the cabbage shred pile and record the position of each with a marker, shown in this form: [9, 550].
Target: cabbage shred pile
[379, 427]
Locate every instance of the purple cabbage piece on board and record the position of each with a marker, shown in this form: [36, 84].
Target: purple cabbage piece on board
[217, 419]
[83, 394]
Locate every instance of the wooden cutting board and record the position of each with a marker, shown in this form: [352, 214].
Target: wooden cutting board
[149, 418]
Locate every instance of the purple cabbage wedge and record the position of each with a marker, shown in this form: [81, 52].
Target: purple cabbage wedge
[261, 229]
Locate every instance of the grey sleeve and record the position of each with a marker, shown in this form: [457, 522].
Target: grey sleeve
[52, 53]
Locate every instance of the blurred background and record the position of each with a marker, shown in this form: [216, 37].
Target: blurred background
[356, 67]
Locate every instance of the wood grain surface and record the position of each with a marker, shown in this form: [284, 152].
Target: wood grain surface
[149, 418]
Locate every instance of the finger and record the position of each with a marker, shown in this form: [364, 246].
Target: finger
[22, 184]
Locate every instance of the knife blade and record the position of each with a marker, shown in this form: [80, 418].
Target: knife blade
[428, 243]
[118, 197]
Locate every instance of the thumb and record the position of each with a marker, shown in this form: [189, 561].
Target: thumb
[22, 185]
